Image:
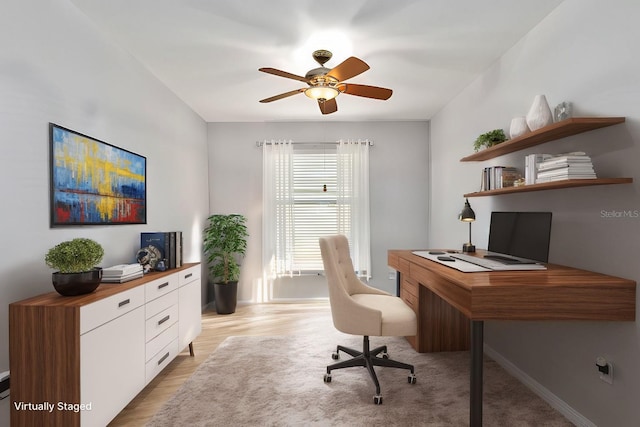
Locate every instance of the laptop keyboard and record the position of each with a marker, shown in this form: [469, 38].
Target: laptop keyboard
[492, 264]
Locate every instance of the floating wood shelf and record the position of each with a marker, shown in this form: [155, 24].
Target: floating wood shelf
[552, 132]
[554, 185]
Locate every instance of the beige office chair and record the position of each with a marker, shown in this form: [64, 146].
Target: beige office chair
[359, 309]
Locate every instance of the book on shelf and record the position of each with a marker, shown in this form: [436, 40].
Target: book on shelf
[577, 158]
[531, 164]
[545, 167]
[495, 177]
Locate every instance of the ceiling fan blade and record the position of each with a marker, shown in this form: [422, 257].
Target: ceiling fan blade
[366, 91]
[329, 106]
[282, 95]
[283, 74]
[350, 67]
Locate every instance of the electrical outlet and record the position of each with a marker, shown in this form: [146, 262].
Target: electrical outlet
[392, 274]
[605, 370]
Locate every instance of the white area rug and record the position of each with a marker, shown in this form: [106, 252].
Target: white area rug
[278, 381]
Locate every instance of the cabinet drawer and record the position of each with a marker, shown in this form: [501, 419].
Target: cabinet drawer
[160, 304]
[160, 360]
[100, 312]
[159, 287]
[409, 286]
[190, 274]
[161, 341]
[161, 321]
[411, 301]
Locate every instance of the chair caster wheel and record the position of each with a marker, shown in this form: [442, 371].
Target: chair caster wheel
[377, 400]
[411, 379]
[327, 378]
[335, 356]
[384, 355]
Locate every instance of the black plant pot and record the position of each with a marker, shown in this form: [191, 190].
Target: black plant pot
[71, 284]
[226, 297]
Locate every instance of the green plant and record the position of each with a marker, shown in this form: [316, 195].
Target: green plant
[489, 139]
[74, 256]
[225, 237]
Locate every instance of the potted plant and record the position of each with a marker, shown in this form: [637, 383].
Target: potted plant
[225, 239]
[76, 262]
[489, 139]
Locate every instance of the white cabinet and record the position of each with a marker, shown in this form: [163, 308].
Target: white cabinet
[190, 306]
[112, 367]
[101, 348]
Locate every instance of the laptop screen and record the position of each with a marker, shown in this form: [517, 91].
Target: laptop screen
[521, 234]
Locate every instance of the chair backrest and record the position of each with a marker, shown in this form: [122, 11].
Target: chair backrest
[348, 316]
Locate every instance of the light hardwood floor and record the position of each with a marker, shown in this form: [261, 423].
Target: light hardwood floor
[256, 319]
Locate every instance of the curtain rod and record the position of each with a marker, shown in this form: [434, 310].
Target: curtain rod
[261, 143]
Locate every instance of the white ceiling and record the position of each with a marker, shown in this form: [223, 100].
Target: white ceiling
[208, 51]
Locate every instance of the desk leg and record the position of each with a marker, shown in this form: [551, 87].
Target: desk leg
[475, 400]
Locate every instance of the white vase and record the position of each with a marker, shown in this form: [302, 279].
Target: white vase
[539, 115]
[518, 127]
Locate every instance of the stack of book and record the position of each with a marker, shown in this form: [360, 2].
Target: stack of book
[122, 273]
[169, 243]
[496, 177]
[565, 166]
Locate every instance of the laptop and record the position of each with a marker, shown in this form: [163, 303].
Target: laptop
[520, 236]
[517, 241]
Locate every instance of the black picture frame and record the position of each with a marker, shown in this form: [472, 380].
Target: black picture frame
[94, 182]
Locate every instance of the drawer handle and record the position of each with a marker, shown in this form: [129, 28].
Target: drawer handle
[123, 303]
[164, 285]
[164, 319]
[163, 358]
[186, 276]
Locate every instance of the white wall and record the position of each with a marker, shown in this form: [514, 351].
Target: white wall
[56, 67]
[584, 52]
[398, 184]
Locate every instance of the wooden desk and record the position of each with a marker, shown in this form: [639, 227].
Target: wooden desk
[445, 294]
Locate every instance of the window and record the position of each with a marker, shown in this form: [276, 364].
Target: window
[309, 192]
[315, 212]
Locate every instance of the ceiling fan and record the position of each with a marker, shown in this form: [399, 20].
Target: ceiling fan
[325, 84]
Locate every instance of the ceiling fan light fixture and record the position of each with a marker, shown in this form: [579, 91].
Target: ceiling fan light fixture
[322, 92]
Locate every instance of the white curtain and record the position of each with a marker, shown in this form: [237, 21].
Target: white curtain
[353, 201]
[277, 202]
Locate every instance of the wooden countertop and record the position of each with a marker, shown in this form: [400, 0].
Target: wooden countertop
[558, 293]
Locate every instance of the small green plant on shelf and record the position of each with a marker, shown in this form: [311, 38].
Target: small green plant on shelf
[489, 139]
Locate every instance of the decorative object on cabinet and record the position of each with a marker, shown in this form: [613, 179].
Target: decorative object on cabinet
[518, 127]
[468, 215]
[76, 261]
[489, 139]
[225, 239]
[555, 131]
[562, 111]
[148, 257]
[122, 273]
[94, 183]
[539, 114]
[169, 245]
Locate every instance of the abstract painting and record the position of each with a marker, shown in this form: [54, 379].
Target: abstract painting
[95, 183]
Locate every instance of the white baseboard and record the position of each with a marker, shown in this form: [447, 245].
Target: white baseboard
[560, 405]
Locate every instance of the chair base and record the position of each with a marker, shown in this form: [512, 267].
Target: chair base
[368, 359]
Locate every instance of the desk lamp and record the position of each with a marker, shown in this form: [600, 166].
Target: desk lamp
[467, 215]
